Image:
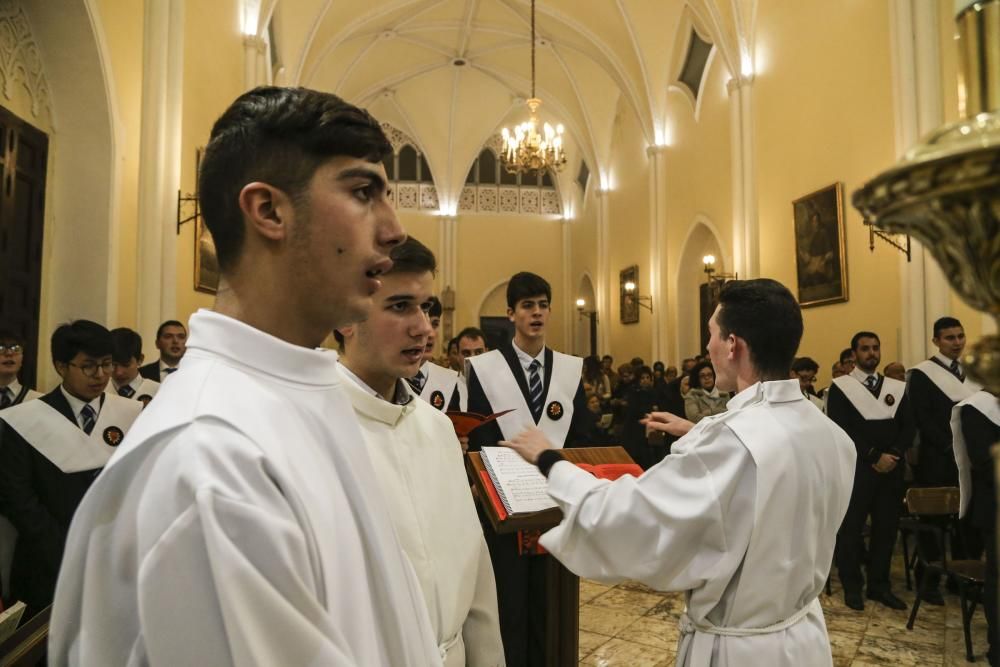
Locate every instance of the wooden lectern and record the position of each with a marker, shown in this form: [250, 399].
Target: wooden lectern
[563, 594]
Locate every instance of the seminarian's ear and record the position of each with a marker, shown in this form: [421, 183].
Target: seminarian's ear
[510, 314]
[141, 358]
[61, 368]
[267, 209]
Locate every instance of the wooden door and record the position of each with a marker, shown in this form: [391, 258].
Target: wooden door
[23, 157]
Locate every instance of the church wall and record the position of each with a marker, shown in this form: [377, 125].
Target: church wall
[583, 253]
[213, 78]
[628, 233]
[823, 113]
[698, 216]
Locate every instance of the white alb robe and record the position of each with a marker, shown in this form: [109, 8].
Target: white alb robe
[418, 462]
[237, 525]
[743, 516]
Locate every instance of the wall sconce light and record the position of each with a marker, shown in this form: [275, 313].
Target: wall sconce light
[643, 301]
[709, 262]
[581, 305]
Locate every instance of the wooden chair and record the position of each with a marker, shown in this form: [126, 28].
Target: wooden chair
[934, 511]
[27, 646]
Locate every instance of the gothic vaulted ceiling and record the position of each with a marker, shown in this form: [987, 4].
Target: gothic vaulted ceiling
[450, 73]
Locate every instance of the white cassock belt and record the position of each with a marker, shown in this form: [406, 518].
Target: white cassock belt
[688, 626]
[449, 644]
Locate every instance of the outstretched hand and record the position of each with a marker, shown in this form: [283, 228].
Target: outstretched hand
[529, 443]
[666, 422]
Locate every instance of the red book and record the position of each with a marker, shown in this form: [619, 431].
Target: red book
[611, 471]
[466, 422]
[491, 491]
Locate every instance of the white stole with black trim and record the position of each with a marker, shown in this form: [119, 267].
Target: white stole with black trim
[504, 393]
[439, 384]
[867, 405]
[987, 404]
[946, 381]
[63, 442]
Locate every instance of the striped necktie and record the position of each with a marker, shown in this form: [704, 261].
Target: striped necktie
[126, 391]
[417, 382]
[870, 382]
[89, 418]
[6, 398]
[535, 389]
[957, 371]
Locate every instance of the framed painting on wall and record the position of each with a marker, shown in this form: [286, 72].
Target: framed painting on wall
[629, 304]
[820, 248]
[206, 264]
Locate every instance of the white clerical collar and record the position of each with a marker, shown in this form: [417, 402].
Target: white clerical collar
[76, 405]
[239, 343]
[526, 358]
[773, 391]
[946, 361]
[402, 396]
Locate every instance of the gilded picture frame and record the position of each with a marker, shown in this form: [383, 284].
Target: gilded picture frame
[629, 304]
[820, 247]
[206, 263]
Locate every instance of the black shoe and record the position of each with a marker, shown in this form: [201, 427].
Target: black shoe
[933, 596]
[854, 601]
[888, 599]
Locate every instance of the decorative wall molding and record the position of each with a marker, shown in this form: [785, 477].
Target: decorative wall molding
[20, 61]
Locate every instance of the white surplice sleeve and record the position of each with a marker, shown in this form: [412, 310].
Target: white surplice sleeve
[481, 630]
[230, 581]
[667, 528]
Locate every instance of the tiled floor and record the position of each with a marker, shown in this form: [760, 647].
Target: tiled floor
[630, 624]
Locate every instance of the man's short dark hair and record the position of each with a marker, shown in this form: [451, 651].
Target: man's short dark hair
[807, 364]
[471, 332]
[169, 323]
[436, 308]
[857, 338]
[126, 345]
[943, 323]
[846, 354]
[80, 336]
[525, 285]
[412, 256]
[608, 357]
[10, 337]
[637, 362]
[764, 314]
[643, 370]
[278, 136]
[658, 366]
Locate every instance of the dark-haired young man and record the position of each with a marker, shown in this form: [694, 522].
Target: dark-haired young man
[126, 356]
[875, 412]
[934, 387]
[742, 515]
[455, 362]
[471, 343]
[12, 392]
[435, 384]
[545, 390]
[50, 452]
[171, 341]
[249, 475]
[804, 370]
[409, 440]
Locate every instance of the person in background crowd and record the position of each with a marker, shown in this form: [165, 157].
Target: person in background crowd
[637, 363]
[670, 374]
[896, 371]
[804, 370]
[594, 375]
[599, 432]
[126, 357]
[171, 341]
[435, 316]
[607, 365]
[642, 400]
[619, 396]
[687, 365]
[12, 392]
[704, 399]
[455, 362]
[847, 361]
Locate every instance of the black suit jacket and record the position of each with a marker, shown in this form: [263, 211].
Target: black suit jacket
[39, 499]
[932, 412]
[490, 434]
[873, 437]
[980, 435]
[151, 371]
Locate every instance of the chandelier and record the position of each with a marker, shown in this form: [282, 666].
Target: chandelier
[528, 147]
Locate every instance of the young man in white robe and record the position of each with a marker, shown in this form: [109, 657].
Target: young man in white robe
[418, 462]
[126, 355]
[240, 523]
[435, 384]
[742, 515]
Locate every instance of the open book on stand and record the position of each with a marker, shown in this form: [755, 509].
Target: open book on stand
[9, 620]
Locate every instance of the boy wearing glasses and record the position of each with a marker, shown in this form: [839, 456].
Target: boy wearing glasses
[50, 452]
[11, 358]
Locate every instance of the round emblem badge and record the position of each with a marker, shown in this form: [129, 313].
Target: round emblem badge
[113, 436]
[144, 399]
[555, 411]
[889, 399]
[437, 400]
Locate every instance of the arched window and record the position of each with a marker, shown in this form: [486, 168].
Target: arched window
[490, 188]
[407, 164]
[389, 162]
[487, 167]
